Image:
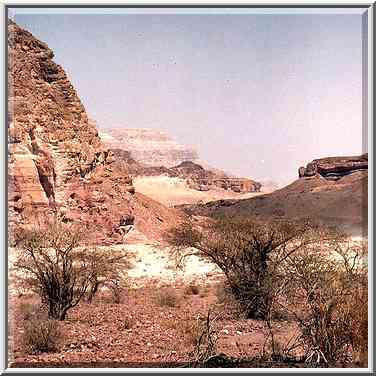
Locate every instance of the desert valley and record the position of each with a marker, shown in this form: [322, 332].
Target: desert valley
[168, 241]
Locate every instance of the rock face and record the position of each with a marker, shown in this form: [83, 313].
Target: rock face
[195, 175]
[148, 152]
[148, 146]
[57, 163]
[334, 168]
[50, 138]
[135, 168]
[340, 199]
[204, 180]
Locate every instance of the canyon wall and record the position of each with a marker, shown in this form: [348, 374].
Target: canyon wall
[57, 163]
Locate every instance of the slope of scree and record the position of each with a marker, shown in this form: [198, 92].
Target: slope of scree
[56, 160]
[330, 190]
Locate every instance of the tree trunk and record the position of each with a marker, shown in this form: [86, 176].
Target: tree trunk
[93, 291]
[63, 314]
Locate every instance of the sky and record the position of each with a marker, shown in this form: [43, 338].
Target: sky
[257, 95]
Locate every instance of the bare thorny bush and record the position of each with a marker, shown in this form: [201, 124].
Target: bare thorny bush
[205, 337]
[311, 273]
[56, 263]
[249, 254]
[326, 291]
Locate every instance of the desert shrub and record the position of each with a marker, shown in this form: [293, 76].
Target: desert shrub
[28, 310]
[192, 289]
[223, 293]
[41, 335]
[330, 289]
[202, 334]
[57, 265]
[167, 297]
[248, 253]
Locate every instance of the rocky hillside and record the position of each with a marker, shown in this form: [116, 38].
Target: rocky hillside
[148, 152]
[203, 180]
[148, 146]
[196, 176]
[330, 190]
[57, 162]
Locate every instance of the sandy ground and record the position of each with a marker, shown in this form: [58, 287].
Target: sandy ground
[140, 330]
[151, 261]
[174, 191]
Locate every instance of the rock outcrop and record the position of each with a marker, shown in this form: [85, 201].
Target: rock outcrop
[340, 199]
[50, 138]
[204, 180]
[148, 152]
[58, 164]
[196, 176]
[148, 146]
[334, 168]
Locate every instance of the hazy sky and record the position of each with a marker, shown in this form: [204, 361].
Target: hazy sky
[257, 94]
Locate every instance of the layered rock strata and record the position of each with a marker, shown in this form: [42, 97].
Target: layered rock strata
[57, 163]
[334, 168]
[148, 146]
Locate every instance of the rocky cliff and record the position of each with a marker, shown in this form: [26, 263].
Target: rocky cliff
[196, 176]
[334, 168]
[50, 139]
[148, 146]
[57, 163]
[204, 180]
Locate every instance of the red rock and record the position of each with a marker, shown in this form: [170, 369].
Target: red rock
[57, 162]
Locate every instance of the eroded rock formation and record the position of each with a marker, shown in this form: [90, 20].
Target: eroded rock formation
[204, 180]
[196, 176]
[57, 162]
[148, 146]
[334, 168]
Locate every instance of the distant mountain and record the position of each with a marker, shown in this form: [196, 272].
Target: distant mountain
[148, 146]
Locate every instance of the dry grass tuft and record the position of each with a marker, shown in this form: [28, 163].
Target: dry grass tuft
[41, 335]
[167, 297]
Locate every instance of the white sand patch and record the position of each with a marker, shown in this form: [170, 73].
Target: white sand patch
[172, 191]
[150, 261]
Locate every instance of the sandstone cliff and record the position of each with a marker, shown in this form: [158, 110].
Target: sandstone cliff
[148, 146]
[196, 176]
[334, 168]
[57, 163]
[203, 180]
